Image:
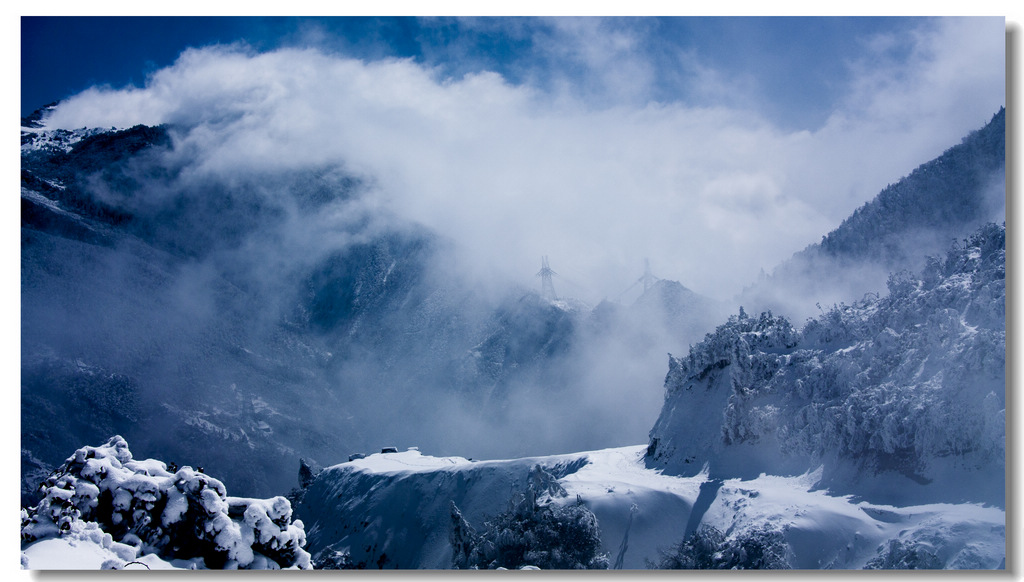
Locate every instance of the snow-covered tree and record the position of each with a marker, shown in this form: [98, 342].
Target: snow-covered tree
[899, 555]
[536, 533]
[761, 548]
[181, 515]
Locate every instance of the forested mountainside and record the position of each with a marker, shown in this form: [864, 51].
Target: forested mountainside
[945, 194]
[940, 201]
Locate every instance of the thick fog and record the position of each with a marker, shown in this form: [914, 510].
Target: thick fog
[285, 166]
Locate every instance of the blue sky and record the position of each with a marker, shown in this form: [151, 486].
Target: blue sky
[792, 70]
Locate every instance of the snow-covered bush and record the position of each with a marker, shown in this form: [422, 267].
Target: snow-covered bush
[696, 552]
[897, 555]
[181, 515]
[530, 533]
[331, 559]
[762, 548]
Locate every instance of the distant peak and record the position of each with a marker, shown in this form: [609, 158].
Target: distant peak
[35, 119]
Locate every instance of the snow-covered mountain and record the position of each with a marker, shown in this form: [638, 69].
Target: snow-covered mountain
[900, 398]
[873, 437]
[150, 311]
[211, 323]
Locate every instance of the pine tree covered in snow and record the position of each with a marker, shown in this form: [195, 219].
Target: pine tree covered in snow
[762, 548]
[530, 533]
[144, 508]
[908, 384]
[946, 193]
[898, 555]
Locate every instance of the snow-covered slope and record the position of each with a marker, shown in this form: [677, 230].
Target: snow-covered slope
[90, 548]
[393, 511]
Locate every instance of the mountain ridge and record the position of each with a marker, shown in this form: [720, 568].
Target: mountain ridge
[942, 200]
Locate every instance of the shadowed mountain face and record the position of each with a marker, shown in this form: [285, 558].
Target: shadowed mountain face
[242, 324]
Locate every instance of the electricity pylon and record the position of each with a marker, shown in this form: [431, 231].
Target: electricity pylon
[547, 288]
[648, 278]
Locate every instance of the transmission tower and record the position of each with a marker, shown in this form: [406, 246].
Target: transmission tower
[547, 288]
[648, 278]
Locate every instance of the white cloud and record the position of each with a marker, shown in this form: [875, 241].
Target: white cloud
[711, 195]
